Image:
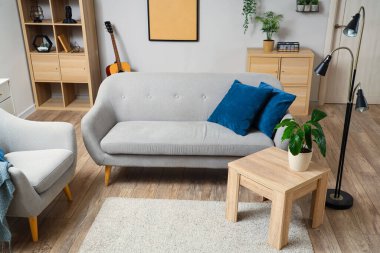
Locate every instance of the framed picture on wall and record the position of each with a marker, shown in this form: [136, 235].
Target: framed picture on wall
[170, 20]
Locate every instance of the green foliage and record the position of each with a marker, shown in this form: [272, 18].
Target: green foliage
[271, 23]
[301, 2]
[249, 9]
[314, 2]
[308, 1]
[301, 137]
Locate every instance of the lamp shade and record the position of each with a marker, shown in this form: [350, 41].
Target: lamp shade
[361, 102]
[321, 69]
[351, 29]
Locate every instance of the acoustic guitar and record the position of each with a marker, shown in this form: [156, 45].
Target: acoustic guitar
[118, 66]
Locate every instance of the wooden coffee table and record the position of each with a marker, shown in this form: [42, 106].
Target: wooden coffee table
[267, 173]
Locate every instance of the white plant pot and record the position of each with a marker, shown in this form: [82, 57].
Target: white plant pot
[299, 162]
[307, 8]
[300, 7]
[314, 7]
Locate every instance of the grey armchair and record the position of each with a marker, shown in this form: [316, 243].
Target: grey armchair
[43, 155]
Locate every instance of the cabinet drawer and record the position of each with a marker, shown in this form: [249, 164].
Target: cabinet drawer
[264, 65]
[73, 69]
[4, 91]
[294, 71]
[7, 106]
[45, 67]
[301, 105]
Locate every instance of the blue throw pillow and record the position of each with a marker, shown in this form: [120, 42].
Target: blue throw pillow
[274, 110]
[239, 107]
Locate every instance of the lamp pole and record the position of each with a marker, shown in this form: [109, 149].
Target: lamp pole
[336, 198]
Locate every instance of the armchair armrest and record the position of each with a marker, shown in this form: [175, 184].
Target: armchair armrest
[95, 125]
[22, 135]
[278, 135]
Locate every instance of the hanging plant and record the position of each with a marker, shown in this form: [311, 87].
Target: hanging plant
[249, 9]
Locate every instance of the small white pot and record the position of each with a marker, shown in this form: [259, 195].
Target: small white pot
[307, 8]
[314, 7]
[300, 7]
[299, 162]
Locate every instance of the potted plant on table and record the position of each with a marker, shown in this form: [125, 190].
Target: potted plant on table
[301, 138]
[271, 25]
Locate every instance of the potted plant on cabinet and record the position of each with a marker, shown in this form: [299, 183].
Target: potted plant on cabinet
[307, 5]
[314, 5]
[271, 25]
[249, 9]
[301, 137]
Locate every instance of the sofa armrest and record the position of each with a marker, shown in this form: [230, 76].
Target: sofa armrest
[278, 135]
[22, 135]
[95, 125]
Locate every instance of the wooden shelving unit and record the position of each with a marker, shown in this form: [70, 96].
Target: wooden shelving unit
[60, 80]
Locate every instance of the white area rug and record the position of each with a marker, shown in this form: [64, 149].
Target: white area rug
[148, 225]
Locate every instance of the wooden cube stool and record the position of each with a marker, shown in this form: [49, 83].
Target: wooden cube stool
[267, 173]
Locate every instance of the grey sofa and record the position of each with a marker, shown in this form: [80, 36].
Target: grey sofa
[43, 155]
[160, 120]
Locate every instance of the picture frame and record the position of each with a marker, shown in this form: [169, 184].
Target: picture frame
[176, 21]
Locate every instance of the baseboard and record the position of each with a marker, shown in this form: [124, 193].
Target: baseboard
[28, 111]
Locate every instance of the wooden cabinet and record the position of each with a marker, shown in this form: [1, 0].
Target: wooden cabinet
[63, 80]
[73, 69]
[294, 70]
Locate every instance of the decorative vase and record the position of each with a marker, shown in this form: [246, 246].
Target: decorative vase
[268, 46]
[307, 8]
[315, 7]
[299, 162]
[300, 7]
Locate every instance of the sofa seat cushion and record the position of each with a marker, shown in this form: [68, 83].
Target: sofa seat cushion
[42, 167]
[180, 138]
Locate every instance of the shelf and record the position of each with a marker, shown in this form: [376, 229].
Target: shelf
[81, 53]
[44, 22]
[53, 51]
[60, 23]
[80, 104]
[52, 103]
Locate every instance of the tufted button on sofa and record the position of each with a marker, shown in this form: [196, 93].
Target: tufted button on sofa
[160, 120]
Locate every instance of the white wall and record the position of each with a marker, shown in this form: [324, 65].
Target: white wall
[13, 62]
[222, 44]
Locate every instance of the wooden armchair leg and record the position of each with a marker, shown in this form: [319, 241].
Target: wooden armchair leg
[33, 224]
[68, 193]
[107, 175]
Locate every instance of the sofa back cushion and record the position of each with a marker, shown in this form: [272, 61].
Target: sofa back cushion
[171, 96]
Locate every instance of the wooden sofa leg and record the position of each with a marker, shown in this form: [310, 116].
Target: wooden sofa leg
[68, 194]
[107, 175]
[33, 224]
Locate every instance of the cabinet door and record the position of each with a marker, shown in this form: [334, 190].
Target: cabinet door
[265, 65]
[294, 71]
[301, 105]
[73, 68]
[45, 67]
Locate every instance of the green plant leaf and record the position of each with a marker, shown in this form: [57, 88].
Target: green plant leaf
[295, 144]
[317, 115]
[287, 133]
[319, 138]
[316, 124]
[308, 140]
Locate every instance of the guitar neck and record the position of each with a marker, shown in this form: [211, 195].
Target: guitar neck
[116, 51]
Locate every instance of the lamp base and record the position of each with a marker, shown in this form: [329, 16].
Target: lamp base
[343, 202]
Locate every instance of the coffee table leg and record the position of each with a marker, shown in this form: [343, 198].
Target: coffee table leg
[232, 200]
[279, 220]
[317, 209]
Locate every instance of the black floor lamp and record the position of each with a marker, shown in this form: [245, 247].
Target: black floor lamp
[336, 198]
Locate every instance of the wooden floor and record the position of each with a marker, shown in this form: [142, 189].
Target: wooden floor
[63, 226]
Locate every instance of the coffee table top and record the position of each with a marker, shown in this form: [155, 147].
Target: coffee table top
[270, 168]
